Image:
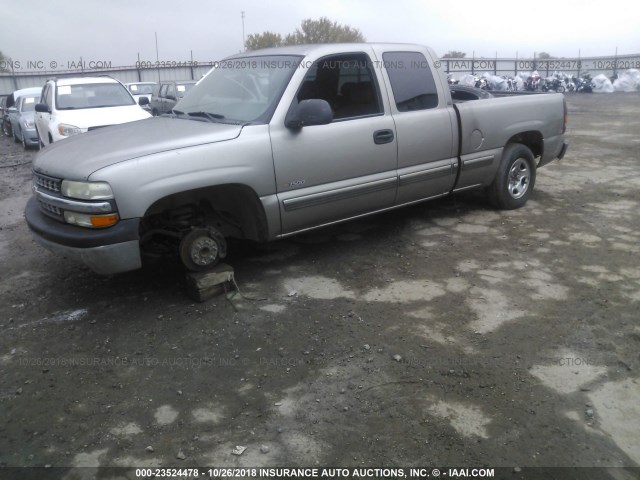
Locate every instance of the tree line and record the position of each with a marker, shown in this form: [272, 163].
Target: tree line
[322, 30]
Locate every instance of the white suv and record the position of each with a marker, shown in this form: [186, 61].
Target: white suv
[75, 105]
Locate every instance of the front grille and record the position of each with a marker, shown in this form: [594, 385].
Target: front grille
[50, 210]
[48, 183]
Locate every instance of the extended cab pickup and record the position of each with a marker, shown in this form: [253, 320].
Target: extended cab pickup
[279, 141]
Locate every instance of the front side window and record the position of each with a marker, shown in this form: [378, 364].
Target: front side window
[171, 91]
[411, 80]
[346, 82]
[92, 95]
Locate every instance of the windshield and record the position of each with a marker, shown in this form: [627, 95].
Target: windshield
[92, 95]
[29, 104]
[242, 89]
[183, 88]
[141, 88]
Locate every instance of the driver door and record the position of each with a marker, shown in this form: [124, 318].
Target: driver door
[328, 173]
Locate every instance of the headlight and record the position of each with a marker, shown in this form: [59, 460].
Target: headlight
[91, 221]
[68, 130]
[86, 190]
[28, 124]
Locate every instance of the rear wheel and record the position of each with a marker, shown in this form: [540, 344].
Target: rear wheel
[202, 249]
[515, 179]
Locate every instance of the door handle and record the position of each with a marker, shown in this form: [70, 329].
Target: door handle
[383, 136]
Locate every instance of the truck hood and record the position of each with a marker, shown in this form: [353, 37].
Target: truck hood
[77, 157]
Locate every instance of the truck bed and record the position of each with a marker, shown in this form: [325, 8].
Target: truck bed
[486, 126]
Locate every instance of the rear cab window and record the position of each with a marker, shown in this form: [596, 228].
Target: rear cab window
[412, 82]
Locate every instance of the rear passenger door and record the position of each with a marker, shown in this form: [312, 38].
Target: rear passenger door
[326, 173]
[425, 127]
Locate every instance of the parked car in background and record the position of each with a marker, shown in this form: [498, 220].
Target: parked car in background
[9, 106]
[142, 89]
[167, 94]
[70, 106]
[3, 110]
[22, 120]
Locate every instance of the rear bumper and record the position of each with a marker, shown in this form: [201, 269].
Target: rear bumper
[565, 146]
[106, 251]
[554, 147]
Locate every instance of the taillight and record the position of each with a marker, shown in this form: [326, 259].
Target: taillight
[565, 116]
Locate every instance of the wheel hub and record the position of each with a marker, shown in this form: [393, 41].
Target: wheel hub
[204, 251]
[519, 178]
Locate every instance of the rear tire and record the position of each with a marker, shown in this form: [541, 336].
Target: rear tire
[515, 178]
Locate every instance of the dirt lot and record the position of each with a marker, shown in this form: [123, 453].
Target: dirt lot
[445, 334]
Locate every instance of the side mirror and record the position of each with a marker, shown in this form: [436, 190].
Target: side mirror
[42, 108]
[309, 112]
[143, 101]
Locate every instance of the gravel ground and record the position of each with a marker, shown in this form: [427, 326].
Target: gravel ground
[442, 334]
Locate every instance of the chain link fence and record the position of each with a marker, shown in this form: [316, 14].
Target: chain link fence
[15, 75]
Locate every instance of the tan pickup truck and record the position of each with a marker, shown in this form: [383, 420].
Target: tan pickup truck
[275, 142]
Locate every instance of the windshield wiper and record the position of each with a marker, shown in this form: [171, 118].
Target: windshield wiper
[211, 116]
[205, 116]
[178, 114]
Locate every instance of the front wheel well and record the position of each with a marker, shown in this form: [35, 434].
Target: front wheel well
[234, 209]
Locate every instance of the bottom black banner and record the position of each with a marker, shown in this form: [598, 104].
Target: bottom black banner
[374, 473]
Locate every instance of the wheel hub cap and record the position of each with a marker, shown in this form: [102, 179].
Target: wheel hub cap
[519, 177]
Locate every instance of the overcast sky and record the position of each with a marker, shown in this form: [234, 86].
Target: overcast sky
[119, 30]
